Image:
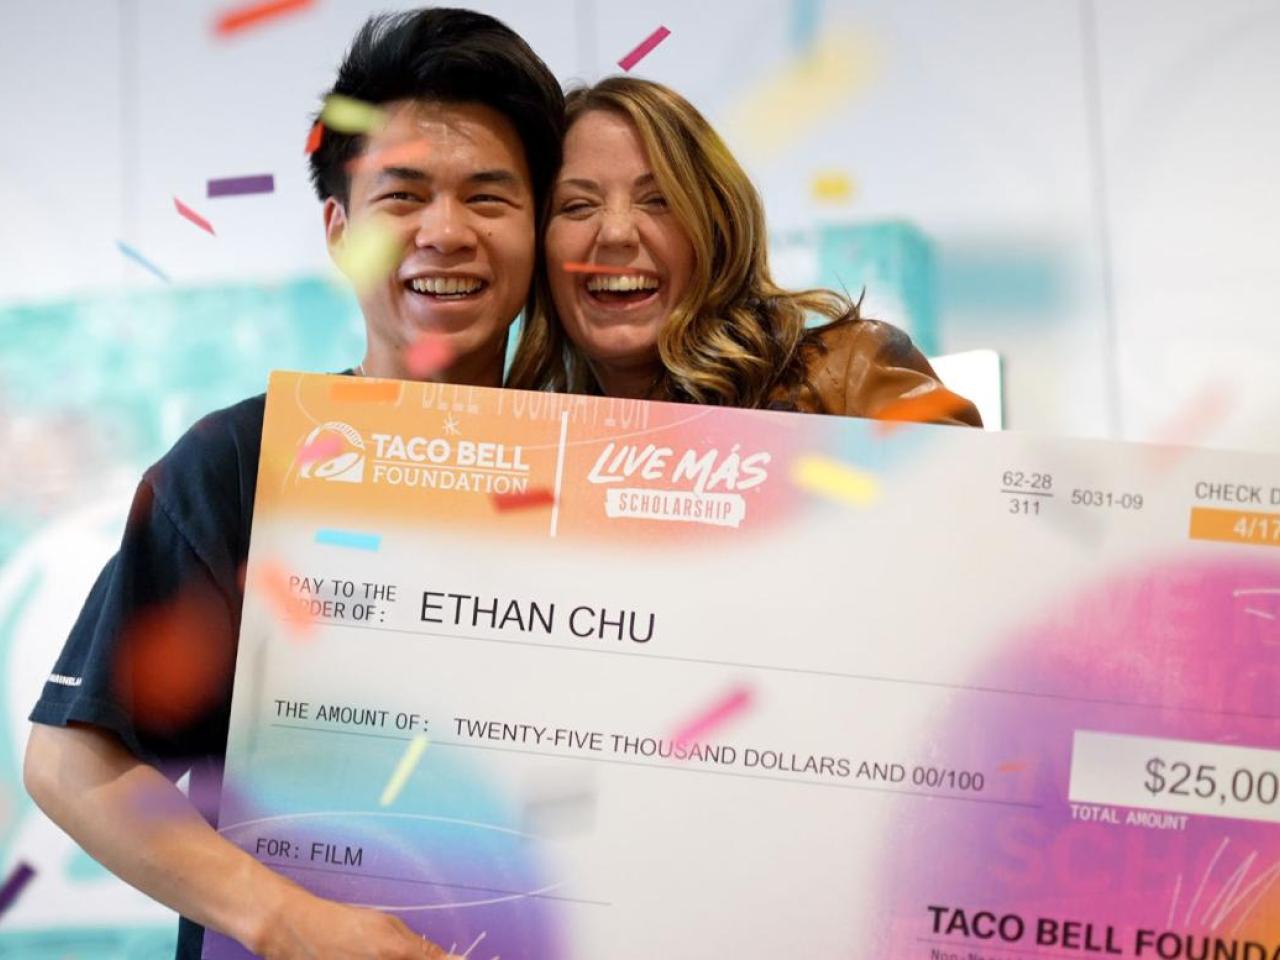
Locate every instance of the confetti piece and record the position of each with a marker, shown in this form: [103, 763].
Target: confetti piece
[315, 137]
[238, 186]
[734, 702]
[838, 481]
[273, 580]
[403, 769]
[13, 886]
[924, 408]
[409, 151]
[194, 217]
[134, 255]
[598, 268]
[832, 187]
[368, 253]
[538, 497]
[322, 448]
[1193, 423]
[349, 538]
[1013, 766]
[238, 19]
[348, 115]
[364, 390]
[428, 355]
[645, 48]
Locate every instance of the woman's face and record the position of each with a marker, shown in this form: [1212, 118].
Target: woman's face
[608, 211]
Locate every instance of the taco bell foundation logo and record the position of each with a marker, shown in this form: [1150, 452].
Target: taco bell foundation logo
[343, 457]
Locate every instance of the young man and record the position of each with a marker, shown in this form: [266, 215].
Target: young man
[456, 173]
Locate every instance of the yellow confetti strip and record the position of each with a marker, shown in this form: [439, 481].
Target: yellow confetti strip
[346, 115]
[838, 481]
[403, 770]
[793, 101]
[368, 253]
[833, 187]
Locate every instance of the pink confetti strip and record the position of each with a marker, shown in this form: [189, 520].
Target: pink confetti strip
[427, 356]
[194, 217]
[645, 48]
[734, 702]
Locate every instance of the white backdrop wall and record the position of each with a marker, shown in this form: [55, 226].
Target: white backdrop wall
[1124, 149]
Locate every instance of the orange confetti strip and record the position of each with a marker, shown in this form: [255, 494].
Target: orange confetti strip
[362, 390]
[1013, 766]
[252, 15]
[926, 408]
[397, 153]
[428, 355]
[273, 580]
[538, 497]
[598, 268]
[315, 137]
[194, 217]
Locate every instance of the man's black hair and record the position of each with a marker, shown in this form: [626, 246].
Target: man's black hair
[447, 55]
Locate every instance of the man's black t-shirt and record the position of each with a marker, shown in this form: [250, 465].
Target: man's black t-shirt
[151, 656]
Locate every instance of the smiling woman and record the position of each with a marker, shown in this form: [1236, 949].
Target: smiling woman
[657, 283]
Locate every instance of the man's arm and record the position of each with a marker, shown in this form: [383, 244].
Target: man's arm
[133, 821]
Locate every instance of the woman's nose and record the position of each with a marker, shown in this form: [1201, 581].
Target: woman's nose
[618, 228]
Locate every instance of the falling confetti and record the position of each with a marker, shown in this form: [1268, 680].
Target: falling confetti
[645, 48]
[13, 886]
[238, 186]
[238, 19]
[538, 497]
[194, 217]
[732, 703]
[403, 770]
[1192, 424]
[368, 253]
[1013, 766]
[348, 538]
[364, 390]
[923, 408]
[832, 187]
[598, 268]
[348, 115]
[138, 258]
[410, 151]
[315, 137]
[835, 480]
[427, 356]
[322, 448]
[273, 580]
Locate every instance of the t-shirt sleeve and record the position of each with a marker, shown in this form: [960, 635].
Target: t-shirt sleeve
[151, 656]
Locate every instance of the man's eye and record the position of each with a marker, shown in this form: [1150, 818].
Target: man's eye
[398, 195]
[488, 198]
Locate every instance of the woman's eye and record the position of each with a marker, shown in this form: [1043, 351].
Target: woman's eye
[656, 200]
[575, 206]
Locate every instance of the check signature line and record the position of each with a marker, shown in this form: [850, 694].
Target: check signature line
[812, 671]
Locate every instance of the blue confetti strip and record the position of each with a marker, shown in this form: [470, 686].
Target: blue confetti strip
[348, 538]
[134, 255]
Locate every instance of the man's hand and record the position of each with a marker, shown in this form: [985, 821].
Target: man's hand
[305, 927]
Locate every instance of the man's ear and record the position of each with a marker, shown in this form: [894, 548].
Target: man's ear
[335, 226]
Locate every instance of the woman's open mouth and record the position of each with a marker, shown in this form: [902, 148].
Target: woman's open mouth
[622, 290]
[447, 288]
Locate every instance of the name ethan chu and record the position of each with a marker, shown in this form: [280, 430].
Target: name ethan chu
[532, 616]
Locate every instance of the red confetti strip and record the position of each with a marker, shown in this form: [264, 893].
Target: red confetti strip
[538, 497]
[645, 48]
[928, 408]
[599, 268]
[242, 18]
[734, 702]
[1013, 766]
[194, 217]
[315, 137]
[427, 356]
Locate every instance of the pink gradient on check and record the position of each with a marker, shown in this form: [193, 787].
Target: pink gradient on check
[1172, 635]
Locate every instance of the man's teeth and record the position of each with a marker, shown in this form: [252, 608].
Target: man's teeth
[446, 285]
[622, 283]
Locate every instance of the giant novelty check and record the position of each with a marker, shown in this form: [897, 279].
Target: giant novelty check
[581, 678]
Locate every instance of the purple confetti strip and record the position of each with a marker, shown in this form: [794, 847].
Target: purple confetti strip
[14, 886]
[236, 186]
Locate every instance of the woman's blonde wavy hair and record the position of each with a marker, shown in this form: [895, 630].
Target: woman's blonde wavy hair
[736, 337]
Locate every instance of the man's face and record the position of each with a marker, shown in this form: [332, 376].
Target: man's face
[450, 184]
